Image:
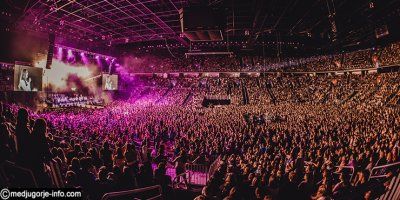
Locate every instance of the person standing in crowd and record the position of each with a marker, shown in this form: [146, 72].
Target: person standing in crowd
[39, 152]
[22, 133]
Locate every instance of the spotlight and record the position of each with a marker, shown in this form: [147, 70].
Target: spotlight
[97, 57]
[107, 59]
[70, 53]
[84, 59]
[60, 53]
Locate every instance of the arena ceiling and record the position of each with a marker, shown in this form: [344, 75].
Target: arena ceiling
[111, 22]
[108, 21]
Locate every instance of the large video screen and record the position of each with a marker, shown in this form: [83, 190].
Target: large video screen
[28, 78]
[110, 82]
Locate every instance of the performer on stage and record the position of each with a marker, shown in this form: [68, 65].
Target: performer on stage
[24, 81]
[108, 85]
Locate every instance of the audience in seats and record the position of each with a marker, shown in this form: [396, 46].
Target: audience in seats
[296, 138]
[362, 59]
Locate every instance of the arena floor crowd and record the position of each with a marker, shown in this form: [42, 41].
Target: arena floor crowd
[293, 143]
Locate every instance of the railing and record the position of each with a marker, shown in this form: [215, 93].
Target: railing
[198, 174]
[242, 72]
[393, 190]
[17, 176]
[380, 171]
[214, 166]
[144, 193]
[55, 174]
[196, 167]
[181, 179]
[341, 168]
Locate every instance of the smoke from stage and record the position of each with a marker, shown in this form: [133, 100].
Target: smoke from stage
[67, 77]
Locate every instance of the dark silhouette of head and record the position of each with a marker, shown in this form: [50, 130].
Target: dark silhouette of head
[4, 134]
[1, 108]
[40, 128]
[22, 118]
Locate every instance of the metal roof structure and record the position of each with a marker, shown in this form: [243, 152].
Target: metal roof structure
[118, 22]
[108, 21]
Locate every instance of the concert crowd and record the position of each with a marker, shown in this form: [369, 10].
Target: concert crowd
[362, 59]
[298, 137]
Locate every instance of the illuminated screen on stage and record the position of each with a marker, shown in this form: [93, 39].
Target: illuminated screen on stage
[110, 82]
[27, 78]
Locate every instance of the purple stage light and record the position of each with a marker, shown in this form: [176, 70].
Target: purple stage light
[99, 63]
[84, 59]
[107, 59]
[70, 55]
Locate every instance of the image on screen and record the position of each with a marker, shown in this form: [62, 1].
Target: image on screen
[110, 82]
[27, 78]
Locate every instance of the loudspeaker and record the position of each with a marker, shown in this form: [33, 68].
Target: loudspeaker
[381, 31]
[201, 23]
[50, 51]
